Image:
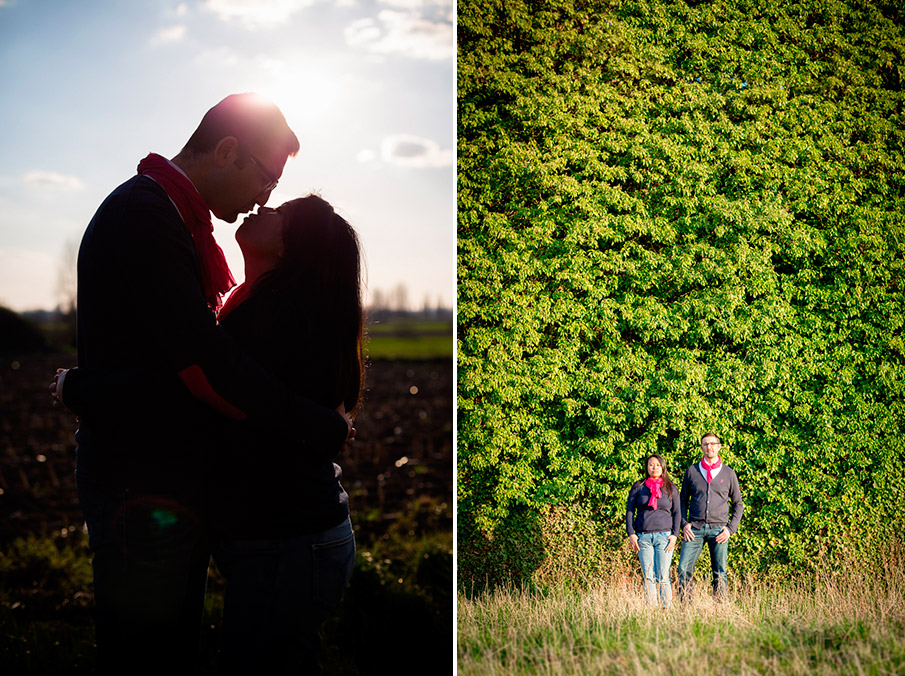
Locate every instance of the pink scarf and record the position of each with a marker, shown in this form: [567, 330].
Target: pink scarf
[710, 467]
[655, 492]
[235, 299]
[215, 274]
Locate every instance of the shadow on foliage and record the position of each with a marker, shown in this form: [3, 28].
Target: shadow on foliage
[393, 626]
[510, 556]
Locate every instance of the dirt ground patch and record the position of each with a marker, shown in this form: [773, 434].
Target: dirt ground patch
[403, 453]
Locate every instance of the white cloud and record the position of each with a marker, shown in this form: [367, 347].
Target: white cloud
[274, 67]
[361, 32]
[405, 150]
[173, 33]
[403, 4]
[405, 30]
[178, 12]
[52, 180]
[366, 156]
[256, 13]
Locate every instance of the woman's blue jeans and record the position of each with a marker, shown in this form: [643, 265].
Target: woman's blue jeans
[691, 550]
[278, 593]
[655, 562]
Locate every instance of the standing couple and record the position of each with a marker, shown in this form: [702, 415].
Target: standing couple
[656, 511]
[200, 437]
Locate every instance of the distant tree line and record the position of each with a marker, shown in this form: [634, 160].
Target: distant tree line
[673, 218]
[398, 300]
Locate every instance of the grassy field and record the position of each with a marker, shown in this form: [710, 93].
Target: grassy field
[844, 624]
[403, 338]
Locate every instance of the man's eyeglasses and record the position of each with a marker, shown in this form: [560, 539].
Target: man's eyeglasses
[271, 181]
[710, 443]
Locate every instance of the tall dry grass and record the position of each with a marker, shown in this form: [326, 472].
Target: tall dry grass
[840, 621]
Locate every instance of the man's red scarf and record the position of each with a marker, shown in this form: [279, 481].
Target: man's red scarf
[716, 464]
[215, 274]
[655, 492]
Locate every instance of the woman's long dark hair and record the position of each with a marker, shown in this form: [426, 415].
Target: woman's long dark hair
[667, 482]
[321, 268]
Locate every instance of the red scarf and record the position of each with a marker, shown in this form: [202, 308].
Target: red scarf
[655, 492]
[710, 467]
[235, 299]
[215, 274]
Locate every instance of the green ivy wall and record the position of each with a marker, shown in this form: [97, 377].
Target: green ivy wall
[677, 218]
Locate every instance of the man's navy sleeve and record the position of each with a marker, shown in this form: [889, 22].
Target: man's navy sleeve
[684, 497]
[735, 495]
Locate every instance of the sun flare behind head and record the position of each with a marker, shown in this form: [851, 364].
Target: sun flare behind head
[308, 94]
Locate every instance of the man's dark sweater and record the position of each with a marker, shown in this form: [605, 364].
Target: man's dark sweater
[709, 503]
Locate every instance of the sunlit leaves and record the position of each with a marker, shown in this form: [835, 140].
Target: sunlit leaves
[675, 218]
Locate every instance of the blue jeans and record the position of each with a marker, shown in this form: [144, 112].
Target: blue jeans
[278, 592]
[150, 562]
[691, 550]
[655, 562]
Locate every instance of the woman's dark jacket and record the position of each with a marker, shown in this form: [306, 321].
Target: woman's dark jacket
[263, 487]
[640, 518]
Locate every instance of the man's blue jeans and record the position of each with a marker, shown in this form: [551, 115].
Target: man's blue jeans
[691, 550]
[655, 562]
[278, 593]
[150, 562]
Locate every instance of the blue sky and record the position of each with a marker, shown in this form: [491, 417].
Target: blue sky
[90, 87]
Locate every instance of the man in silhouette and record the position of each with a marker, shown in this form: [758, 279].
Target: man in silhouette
[150, 281]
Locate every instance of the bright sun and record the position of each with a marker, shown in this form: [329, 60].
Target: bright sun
[309, 94]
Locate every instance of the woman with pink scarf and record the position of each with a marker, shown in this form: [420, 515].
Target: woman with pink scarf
[653, 521]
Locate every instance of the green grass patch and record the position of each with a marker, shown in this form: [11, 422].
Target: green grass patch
[410, 339]
[46, 625]
[415, 327]
[423, 347]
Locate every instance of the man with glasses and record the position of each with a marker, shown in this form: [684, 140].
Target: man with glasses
[151, 278]
[707, 489]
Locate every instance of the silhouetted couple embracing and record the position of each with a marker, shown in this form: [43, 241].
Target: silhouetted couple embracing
[657, 512]
[208, 430]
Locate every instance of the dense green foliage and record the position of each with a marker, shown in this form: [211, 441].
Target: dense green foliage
[678, 217]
